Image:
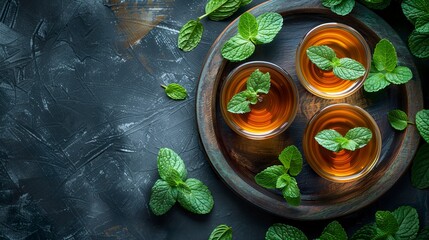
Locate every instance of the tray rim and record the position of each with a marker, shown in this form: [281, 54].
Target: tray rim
[205, 108]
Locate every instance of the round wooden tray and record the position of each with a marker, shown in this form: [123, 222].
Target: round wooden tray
[237, 160]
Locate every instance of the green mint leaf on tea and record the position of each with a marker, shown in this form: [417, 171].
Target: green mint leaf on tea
[422, 24]
[280, 231]
[386, 222]
[247, 26]
[245, 2]
[398, 119]
[375, 82]
[237, 49]
[347, 144]
[423, 234]
[399, 75]
[240, 102]
[190, 35]
[167, 160]
[334, 231]
[269, 24]
[408, 221]
[197, 199]
[268, 177]
[291, 159]
[414, 9]
[329, 139]
[349, 69]
[360, 135]
[218, 10]
[422, 123]
[419, 44]
[384, 57]
[259, 82]
[365, 232]
[175, 91]
[330, 3]
[221, 232]
[162, 197]
[343, 8]
[322, 56]
[420, 168]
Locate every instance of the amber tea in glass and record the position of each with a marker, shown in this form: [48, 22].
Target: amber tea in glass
[345, 165]
[346, 42]
[274, 111]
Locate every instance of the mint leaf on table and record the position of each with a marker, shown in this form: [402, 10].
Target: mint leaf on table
[354, 139]
[414, 9]
[245, 2]
[247, 26]
[384, 57]
[190, 35]
[162, 198]
[330, 3]
[386, 223]
[168, 159]
[290, 187]
[291, 159]
[279, 231]
[268, 24]
[398, 119]
[349, 69]
[420, 168]
[344, 7]
[364, 233]
[221, 232]
[259, 82]
[173, 178]
[218, 10]
[329, 139]
[419, 44]
[197, 199]
[375, 82]
[399, 75]
[268, 177]
[283, 181]
[334, 231]
[377, 4]
[417, 11]
[408, 221]
[175, 91]
[422, 24]
[422, 123]
[237, 49]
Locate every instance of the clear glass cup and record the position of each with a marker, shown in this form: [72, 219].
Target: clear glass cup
[274, 112]
[346, 42]
[345, 165]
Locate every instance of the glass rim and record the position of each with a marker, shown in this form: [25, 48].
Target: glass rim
[351, 90]
[286, 77]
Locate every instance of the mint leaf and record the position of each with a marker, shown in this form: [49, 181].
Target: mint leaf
[408, 221]
[162, 197]
[245, 2]
[167, 160]
[343, 8]
[268, 177]
[399, 75]
[377, 4]
[327, 139]
[413, 9]
[398, 119]
[280, 231]
[349, 69]
[291, 159]
[221, 232]
[291, 189]
[386, 222]
[247, 26]
[259, 82]
[419, 44]
[269, 24]
[375, 82]
[422, 24]
[292, 201]
[218, 10]
[384, 57]
[175, 91]
[237, 49]
[173, 178]
[197, 199]
[360, 135]
[322, 56]
[190, 35]
[422, 123]
[423, 235]
[420, 168]
[347, 144]
[330, 3]
[283, 181]
[364, 233]
[240, 102]
[334, 231]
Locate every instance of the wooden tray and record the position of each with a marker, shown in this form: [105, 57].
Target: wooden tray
[237, 160]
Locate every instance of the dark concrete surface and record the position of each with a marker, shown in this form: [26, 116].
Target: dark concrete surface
[82, 117]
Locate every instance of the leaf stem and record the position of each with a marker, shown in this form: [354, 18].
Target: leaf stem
[411, 123]
[163, 86]
[203, 16]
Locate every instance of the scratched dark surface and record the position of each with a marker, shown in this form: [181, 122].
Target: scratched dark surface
[82, 117]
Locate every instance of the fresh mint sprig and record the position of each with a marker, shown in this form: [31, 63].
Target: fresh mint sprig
[354, 139]
[282, 231]
[251, 31]
[175, 91]
[334, 231]
[174, 186]
[258, 82]
[398, 119]
[384, 69]
[191, 33]
[325, 58]
[417, 11]
[282, 176]
[221, 232]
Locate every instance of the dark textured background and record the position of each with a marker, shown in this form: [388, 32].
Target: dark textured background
[82, 117]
